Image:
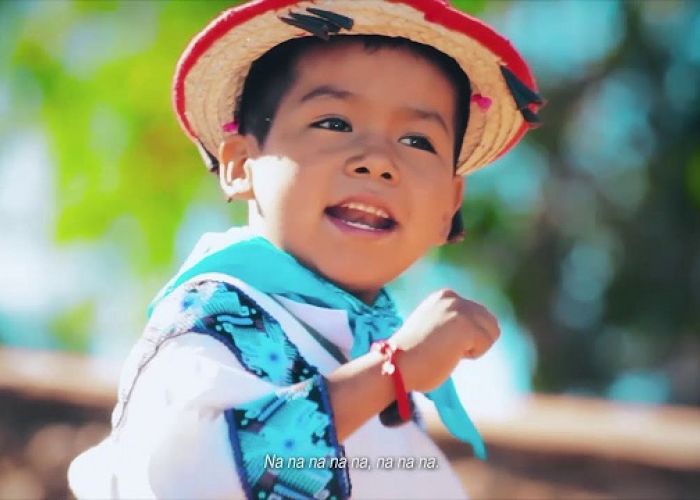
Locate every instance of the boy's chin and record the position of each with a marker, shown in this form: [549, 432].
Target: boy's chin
[364, 284]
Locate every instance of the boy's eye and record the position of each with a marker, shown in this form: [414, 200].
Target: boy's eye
[335, 124]
[419, 142]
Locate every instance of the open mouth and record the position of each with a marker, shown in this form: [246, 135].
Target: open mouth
[362, 216]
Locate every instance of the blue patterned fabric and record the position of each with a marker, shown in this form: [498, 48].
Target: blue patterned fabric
[259, 263]
[249, 332]
[275, 439]
[270, 435]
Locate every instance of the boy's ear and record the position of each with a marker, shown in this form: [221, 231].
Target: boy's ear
[234, 168]
[456, 198]
[459, 182]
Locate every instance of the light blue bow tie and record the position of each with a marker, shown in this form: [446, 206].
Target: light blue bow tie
[259, 263]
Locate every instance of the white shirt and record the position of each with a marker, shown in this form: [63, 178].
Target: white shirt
[172, 440]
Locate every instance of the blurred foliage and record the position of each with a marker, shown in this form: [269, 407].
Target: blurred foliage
[101, 71]
[602, 264]
[71, 327]
[632, 232]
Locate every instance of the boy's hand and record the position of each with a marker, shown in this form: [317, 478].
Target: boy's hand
[443, 329]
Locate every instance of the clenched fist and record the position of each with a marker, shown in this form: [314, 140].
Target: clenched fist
[443, 329]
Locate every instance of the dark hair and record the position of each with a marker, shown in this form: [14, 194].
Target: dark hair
[273, 74]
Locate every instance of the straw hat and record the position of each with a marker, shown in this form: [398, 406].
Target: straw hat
[213, 68]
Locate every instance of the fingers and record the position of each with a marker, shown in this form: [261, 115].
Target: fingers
[484, 331]
[450, 323]
[481, 328]
[488, 322]
[480, 342]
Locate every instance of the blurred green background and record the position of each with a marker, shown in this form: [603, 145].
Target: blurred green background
[585, 239]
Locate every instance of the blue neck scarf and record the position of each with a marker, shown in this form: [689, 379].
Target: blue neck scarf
[254, 260]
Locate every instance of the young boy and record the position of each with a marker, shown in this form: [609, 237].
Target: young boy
[346, 125]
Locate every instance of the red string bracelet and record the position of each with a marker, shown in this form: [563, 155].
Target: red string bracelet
[389, 367]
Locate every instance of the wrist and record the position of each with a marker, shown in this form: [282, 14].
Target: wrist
[405, 363]
[391, 368]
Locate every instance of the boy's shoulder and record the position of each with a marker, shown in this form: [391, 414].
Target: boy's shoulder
[265, 338]
[196, 305]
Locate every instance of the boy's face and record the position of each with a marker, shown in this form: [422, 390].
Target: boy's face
[356, 176]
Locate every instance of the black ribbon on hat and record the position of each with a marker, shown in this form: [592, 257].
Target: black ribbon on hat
[523, 96]
[321, 24]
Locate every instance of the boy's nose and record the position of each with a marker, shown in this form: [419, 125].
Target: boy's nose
[375, 165]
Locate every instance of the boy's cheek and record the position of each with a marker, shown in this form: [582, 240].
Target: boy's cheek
[273, 171]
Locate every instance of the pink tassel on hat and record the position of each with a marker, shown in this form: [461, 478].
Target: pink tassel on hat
[482, 101]
[231, 127]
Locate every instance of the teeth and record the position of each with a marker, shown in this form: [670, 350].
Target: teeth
[360, 225]
[367, 208]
